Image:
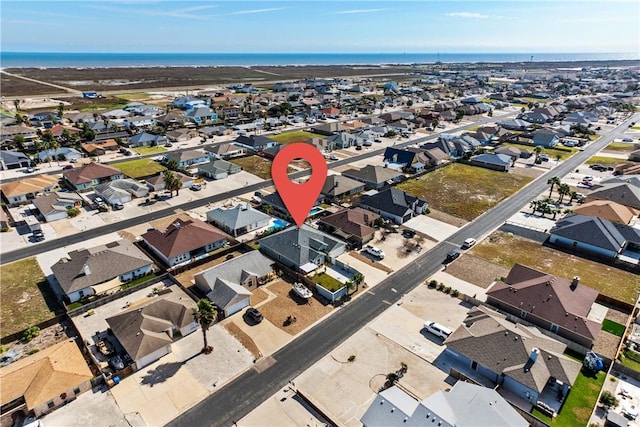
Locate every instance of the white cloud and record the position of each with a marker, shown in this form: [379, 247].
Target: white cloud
[252, 11]
[176, 13]
[354, 11]
[471, 15]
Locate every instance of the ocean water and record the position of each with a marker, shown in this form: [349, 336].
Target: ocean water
[96, 60]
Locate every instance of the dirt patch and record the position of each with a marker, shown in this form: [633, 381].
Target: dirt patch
[476, 270]
[277, 310]
[257, 296]
[46, 338]
[365, 259]
[446, 218]
[530, 172]
[244, 339]
[617, 315]
[127, 236]
[606, 344]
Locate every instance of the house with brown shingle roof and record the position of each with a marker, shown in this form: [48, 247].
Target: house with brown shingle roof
[46, 380]
[88, 176]
[353, 225]
[184, 240]
[23, 191]
[98, 148]
[549, 302]
[512, 357]
[146, 333]
[609, 210]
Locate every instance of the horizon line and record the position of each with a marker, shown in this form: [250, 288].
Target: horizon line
[327, 53]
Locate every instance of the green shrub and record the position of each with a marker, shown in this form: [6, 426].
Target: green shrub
[447, 290]
[440, 286]
[72, 212]
[352, 358]
[433, 283]
[455, 293]
[30, 333]
[4, 229]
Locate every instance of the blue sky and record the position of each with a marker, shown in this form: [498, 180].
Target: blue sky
[320, 26]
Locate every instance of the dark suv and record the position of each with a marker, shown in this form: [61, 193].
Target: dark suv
[38, 235]
[254, 314]
[452, 255]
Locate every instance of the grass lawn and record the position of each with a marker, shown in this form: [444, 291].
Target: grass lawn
[107, 103]
[295, 136]
[258, 166]
[25, 296]
[507, 250]
[629, 360]
[564, 153]
[580, 402]
[635, 127]
[605, 161]
[620, 146]
[327, 282]
[615, 328]
[464, 191]
[149, 150]
[139, 168]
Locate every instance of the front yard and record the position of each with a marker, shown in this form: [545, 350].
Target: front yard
[564, 152]
[507, 250]
[258, 166]
[143, 151]
[580, 402]
[327, 282]
[605, 161]
[295, 136]
[139, 168]
[464, 191]
[25, 296]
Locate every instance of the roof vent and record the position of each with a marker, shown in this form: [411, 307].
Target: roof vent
[575, 282]
[382, 402]
[86, 270]
[393, 409]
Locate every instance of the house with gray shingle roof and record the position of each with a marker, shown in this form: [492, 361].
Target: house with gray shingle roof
[100, 269]
[519, 359]
[54, 206]
[238, 220]
[13, 160]
[228, 285]
[589, 234]
[146, 139]
[624, 192]
[302, 249]
[465, 405]
[375, 177]
[498, 162]
[120, 191]
[394, 204]
[337, 186]
[218, 169]
[187, 158]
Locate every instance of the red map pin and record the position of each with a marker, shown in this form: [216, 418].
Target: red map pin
[299, 198]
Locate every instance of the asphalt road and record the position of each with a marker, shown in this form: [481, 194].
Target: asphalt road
[246, 392]
[48, 245]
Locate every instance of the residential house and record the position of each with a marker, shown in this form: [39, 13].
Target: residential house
[120, 191]
[375, 177]
[255, 143]
[225, 151]
[408, 159]
[329, 129]
[181, 134]
[515, 124]
[549, 302]
[464, 405]
[156, 182]
[8, 133]
[184, 159]
[455, 147]
[606, 209]
[184, 101]
[513, 359]
[200, 114]
[13, 160]
[546, 138]
[394, 204]
[211, 131]
[115, 114]
[302, 248]
[55, 205]
[331, 112]
[184, 241]
[240, 219]
[338, 186]
[343, 140]
[42, 382]
[98, 148]
[139, 122]
[589, 234]
[356, 225]
[23, 191]
[622, 192]
[218, 169]
[498, 162]
[101, 269]
[541, 115]
[228, 285]
[146, 333]
[275, 201]
[514, 152]
[146, 139]
[171, 119]
[62, 153]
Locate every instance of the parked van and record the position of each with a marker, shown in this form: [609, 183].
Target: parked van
[437, 329]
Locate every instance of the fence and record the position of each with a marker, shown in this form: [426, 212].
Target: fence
[528, 232]
[18, 335]
[617, 366]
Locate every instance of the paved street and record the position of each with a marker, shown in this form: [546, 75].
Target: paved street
[241, 396]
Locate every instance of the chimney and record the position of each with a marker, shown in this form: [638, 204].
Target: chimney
[574, 283]
[86, 270]
[534, 354]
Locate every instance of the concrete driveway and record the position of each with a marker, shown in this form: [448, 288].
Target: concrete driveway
[431, 227]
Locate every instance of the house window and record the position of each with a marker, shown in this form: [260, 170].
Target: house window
[474, 365]
[50, 404]
[523, 314]
[554, 328]
[76, 390]
[575, 244]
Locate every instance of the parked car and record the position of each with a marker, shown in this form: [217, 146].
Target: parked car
[452, 255]
[543, 157]
[118, 207]
[67, 167]
[333, 157]
[254, 314]
[196, 187]
[468, 243]
[376, 252]
[409, 233]
[127, 153]
[116, 363]
[441, 126]
[29, 170]
[358, 147]
[168, 145]
[38, 235]
[588, 178]
[73, 161]
[437, 329]
[627, 139]
[587, 183]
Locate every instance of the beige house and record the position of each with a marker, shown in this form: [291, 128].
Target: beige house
[25, 190]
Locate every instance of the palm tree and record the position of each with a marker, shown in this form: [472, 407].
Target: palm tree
[16, 104]
[538, 150]
[553, 181]
[19, 119]
[47, 140]
[205, 315]
[534, 205]
[55, 144]
[563, 190]
[573, 195]
[171, 182]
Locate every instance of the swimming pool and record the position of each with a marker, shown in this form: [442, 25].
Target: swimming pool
[316, 210]
[277, 224]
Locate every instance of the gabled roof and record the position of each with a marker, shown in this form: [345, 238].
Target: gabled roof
[146, 137]
[10, 157]
[225, 294]
[624, 193]
[391, 200]
[29, 185]
[89, 172]
[300, 245]
[55, 201]
[255, 141]
[353, 222]
[182, 236]
[493, 159]
[141, 331]
[590, 230]
[374, 174]
[237, 270]
[335, 185]
[606, 209]
[44, 375]
[505, 348]
[237, 217]
[185, 156]
[88, 267]
[549, 297]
